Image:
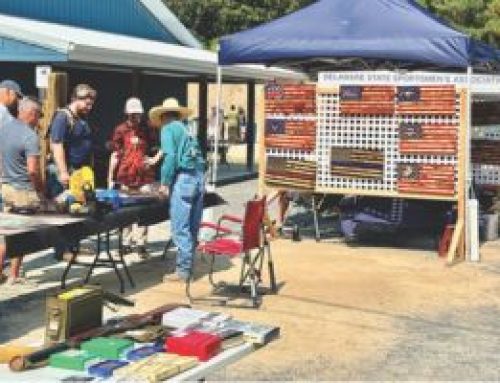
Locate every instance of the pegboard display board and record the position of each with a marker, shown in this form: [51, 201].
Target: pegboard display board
[397, 139]
[290, 136]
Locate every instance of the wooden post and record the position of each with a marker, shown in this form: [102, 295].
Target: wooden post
[251, 126]
[203, 115]
[457, 245]
[56, 97]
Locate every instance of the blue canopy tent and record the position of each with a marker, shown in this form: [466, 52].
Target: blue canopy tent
[377, 31]
[360, 34]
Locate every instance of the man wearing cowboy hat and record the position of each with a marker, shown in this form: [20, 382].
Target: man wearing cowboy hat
[182, 178]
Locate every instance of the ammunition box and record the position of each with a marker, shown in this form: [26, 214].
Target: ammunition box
[73, 312]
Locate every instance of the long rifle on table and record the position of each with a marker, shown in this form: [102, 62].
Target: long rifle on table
[130, 322]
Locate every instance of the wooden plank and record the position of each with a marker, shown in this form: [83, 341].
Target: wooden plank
[328, 89]
[384, 194]
[57, 97]
[455, 241]
[457, 246]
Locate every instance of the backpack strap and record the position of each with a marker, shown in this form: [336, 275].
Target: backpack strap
[70, 119]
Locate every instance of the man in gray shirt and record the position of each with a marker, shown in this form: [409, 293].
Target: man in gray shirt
[10, 93]
[20, 149]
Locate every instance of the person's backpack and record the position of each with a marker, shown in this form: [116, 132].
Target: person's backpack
[189, 155]
[70, 119]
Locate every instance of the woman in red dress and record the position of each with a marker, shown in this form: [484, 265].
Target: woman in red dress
[131, 168]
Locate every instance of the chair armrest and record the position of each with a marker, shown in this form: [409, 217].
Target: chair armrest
[216, 227]
[230, 218]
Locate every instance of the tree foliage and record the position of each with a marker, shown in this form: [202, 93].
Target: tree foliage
[479, 18]
[210, 19]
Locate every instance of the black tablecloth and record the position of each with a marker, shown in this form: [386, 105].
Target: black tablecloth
[43, 235]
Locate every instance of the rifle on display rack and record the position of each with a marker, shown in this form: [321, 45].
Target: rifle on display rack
[130, 322]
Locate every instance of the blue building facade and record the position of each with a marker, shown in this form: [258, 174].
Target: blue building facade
[126, 17]
[114, 84]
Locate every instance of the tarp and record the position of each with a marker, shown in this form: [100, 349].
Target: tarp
[380, 30]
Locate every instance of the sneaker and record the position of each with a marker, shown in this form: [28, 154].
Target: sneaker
[174, 278]
[143, 253]
[3, 278]
[21, 281]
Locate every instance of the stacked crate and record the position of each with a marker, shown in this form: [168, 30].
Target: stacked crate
[486, 144]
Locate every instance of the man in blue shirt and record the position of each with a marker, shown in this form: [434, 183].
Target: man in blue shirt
[20, 149]
[70, 143]
[71, 138]
[182, 177]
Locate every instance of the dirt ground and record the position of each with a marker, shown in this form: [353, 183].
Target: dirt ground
[347, 313]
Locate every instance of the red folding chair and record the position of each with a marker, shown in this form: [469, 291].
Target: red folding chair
[251, 242]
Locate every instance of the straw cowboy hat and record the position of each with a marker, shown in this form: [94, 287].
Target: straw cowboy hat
[169, 105]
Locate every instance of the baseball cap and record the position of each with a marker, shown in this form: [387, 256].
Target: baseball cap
[13, 86]
[133, 106]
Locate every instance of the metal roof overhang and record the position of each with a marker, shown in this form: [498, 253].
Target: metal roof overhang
[83, 46]
[14, 51]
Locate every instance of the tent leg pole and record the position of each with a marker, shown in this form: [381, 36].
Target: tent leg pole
[471, 250]
[218, 119]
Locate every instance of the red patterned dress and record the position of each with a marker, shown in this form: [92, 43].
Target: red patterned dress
[133, 144]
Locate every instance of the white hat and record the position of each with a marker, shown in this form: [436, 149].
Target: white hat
[169, 105]
[134, 106]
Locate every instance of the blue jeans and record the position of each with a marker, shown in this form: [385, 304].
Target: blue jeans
[186, 209]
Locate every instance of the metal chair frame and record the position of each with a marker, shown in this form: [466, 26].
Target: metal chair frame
[252, 265]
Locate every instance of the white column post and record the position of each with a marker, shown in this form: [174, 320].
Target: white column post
[218, 119]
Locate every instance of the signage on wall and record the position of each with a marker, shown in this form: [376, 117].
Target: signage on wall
[42, 76]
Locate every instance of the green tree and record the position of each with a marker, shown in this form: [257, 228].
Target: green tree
[492, 26]
[479, 18]
[210, 19]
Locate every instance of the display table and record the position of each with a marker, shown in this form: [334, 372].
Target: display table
[28, 234]
[49, 374]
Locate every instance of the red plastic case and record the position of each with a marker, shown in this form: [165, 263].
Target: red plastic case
[201, 345]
